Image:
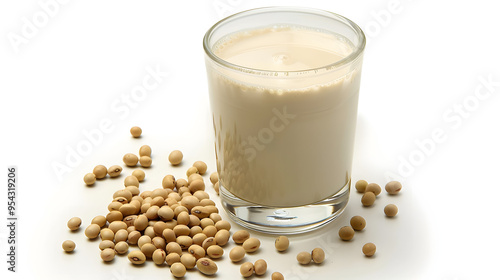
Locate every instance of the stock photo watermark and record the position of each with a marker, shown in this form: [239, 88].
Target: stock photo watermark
[31, 25]
[453, 118]
[224, 8]
[121, 108]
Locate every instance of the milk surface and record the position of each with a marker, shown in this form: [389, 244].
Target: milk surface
[284, 135]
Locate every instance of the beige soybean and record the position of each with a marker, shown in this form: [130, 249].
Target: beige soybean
[181, 183]
[203, 195]
[374, 188]
[169, 235]
[199, 238]
[173, 247]
[368, 199]
[358, 223]
[237, 254]
[210, 231]
[200, 166]
[215, 251]
[145, 161]
[99, 220]
[304, 257]
[390, 210]
[206, 201]
[222, 237]
[281, 243]
[214, 178]
[369, 249]
[246, 269]
[208, 242]
[145, 150]
[141, 222]
[175, 157]
[159, 256]
[251, 245]
[100, 171]
[114, 171]
[393, 187]
[346, 233]
[194, 177]
[205, 222]
[188, 260]
[216, 187]
[260, 267]
[131, 181]
[148, 250]
[68, 246]
[107, 234]
[74, 223]
[184, 241]
[136, 131]
[192, 170]
[114, 216]
[121, 235]
[223, 225]
[197, 251]
[215, 217]
[108, 254]
[133, 237]
[117, 225]
[105, 244]
[130, 159]
[89, 179]
[159, 242]
[197, 185]
[92, 231]
[277, 276]
[139, 174]
[121, 247]
[178, 269]
[240, 236]
[318, 255]
[143, 240]
[169, 182]
[361, 186]
[137, 257]
[206, 266]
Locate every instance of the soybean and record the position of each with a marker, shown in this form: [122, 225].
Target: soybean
[368, 199]
[346, 233]
[260, 267]
[215, 251]
[393, 187]
[137, 257]
[374, 188]
[277, 276]
[200, 166]
[74, 223]
[89, 179]
[192, 170]
[136, 131]
[145, 150]
[188, 260]
[100, 171]
[304, 257]
[145, 161]
[281, 243]
[240, 236]
[175, 157]
[318, 255]
[369, 249]
[130, 159]
[114, 171]
[99, 220]
[92, 231]
[222, 237]
[178, 269]
[68, 246]
[390, 210]
[121, 247]
[131, 181]
[251, 245]
[108, 254]
[361, 186]
[358, 223]
[214, 178]
[246, 269]
[105, 244]
[206, 266]
[159, 256]
[237, 254]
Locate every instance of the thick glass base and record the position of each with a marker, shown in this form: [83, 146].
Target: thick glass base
[284, 220]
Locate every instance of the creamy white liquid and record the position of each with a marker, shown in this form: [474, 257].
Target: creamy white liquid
[284, 139]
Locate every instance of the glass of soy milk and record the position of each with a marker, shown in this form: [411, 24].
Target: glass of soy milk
[283, 85]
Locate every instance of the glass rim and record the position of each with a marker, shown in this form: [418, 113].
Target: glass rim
[358, 50]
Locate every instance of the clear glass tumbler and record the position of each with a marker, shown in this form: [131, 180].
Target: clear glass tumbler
[284, 85]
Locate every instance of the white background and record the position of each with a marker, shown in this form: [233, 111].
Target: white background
[423, 60]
